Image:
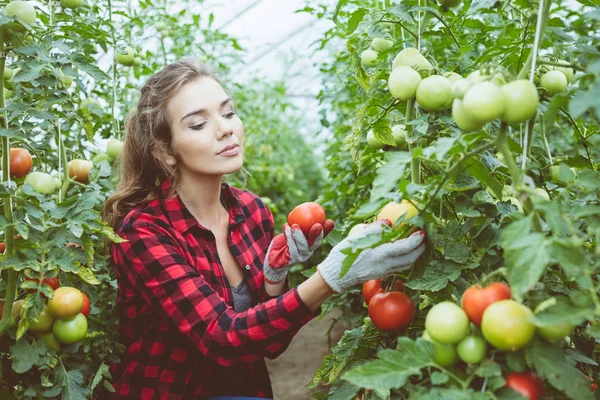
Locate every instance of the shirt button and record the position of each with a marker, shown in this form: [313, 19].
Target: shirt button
[231, 233]
[247, 266]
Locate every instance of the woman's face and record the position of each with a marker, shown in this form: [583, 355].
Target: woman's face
[203, 126]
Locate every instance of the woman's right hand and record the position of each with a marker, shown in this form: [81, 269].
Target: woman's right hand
[372, 263]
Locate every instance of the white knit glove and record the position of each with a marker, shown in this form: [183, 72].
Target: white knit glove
[372, 263]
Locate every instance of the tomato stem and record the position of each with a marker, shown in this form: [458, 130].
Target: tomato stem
[415, 163]
[502, 143]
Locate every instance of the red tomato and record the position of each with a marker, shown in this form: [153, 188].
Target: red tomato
[306, 215]
[52, 282]
[20, 162]
[475, 299]
[593, 387]
[2, 247]
[392, 311]
[525, 383]
[373, 287]
[85, 310]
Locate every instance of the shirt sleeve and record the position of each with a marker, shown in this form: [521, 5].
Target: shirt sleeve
[157, 267]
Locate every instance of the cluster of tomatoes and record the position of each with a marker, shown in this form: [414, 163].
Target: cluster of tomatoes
[21, 163]
[64, 317]
[481, 97]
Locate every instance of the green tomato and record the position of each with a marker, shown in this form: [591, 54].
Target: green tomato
[562, 173]
[8, 93]
[472, 349]
[70, 330]
[434, 93]
[399, 135]
[460, 88]
[515, 202]
[65, 79]
[568, 71]
[485, 101]
[160, 25]
[50, 341]
[43, 323]
[23, 10]
[522, 100]
[447, 323]
[463, 119]
[452, 77]
[380, 45]
[71, 3]
[477, 77]
[444, 354]
[98, 158]
[369, 58]
[42, 182]
[541, 195]
[57, 183]
[554, 82]
[507, 325]
[8, 73]
[114, 148]
[403, 83]
[373, 142]
[411, 57]
[554, 332]
[449, 3]
[137, 61]
[125, 58]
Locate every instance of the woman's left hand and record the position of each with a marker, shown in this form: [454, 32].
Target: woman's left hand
[291, 247]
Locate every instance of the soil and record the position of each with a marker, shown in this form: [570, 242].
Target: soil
[294, 369]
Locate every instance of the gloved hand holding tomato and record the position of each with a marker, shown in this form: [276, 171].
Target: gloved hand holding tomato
[302, 235]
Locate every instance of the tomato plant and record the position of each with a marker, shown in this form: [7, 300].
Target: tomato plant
[392, 311]
[306, 215]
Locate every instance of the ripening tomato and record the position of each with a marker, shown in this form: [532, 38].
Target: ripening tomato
[79, 170]
[44, 321]
[411, 57]
[70, 330]
[41, 182]
[525, 383]
[554, 332]
[447, 323]
[66, 303]
[379, 44]
[114, 148]
[54, 283]
[507, 325]
[392, 311]
[476, 299]
[372, 287]
[403, 83]
[463, 119]
[554, 82]
[393, 211]
[20, 162]
[85, 309]
[306, 215]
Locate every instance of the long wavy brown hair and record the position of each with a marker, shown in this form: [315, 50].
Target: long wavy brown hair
[143, 164]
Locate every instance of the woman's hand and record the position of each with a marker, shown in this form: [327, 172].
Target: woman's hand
[291, 247]
[371, 263]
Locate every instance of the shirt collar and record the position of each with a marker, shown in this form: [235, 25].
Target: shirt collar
[183, 220]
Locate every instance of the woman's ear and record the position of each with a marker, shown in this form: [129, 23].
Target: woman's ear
[171, 160]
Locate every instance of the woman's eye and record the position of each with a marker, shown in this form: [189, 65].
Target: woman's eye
[198, 127]
[230, 115]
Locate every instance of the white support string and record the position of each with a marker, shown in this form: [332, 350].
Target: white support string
[419, 28]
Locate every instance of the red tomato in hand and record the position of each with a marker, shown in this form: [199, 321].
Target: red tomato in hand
[373, 287]
[475, 299]
[85, 309]
[306, 215]
[392, 311]
[20, 162]
[526, 383]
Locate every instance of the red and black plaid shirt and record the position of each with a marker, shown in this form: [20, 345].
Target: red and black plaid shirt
[183, 338]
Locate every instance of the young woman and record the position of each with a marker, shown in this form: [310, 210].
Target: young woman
[202, 289]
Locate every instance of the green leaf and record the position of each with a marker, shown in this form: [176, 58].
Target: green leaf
[26, 355]
[394, 367]
[338, 7]
[525, 255]
[488, 368]
[478, 169]
[355, 19]
[562, 310]
[462, 182]
[389, 174]
[72, 382]
[552, 365]
[437, 276]
[583, 100]
[449, 394]
[440, 149]
[438, 378]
